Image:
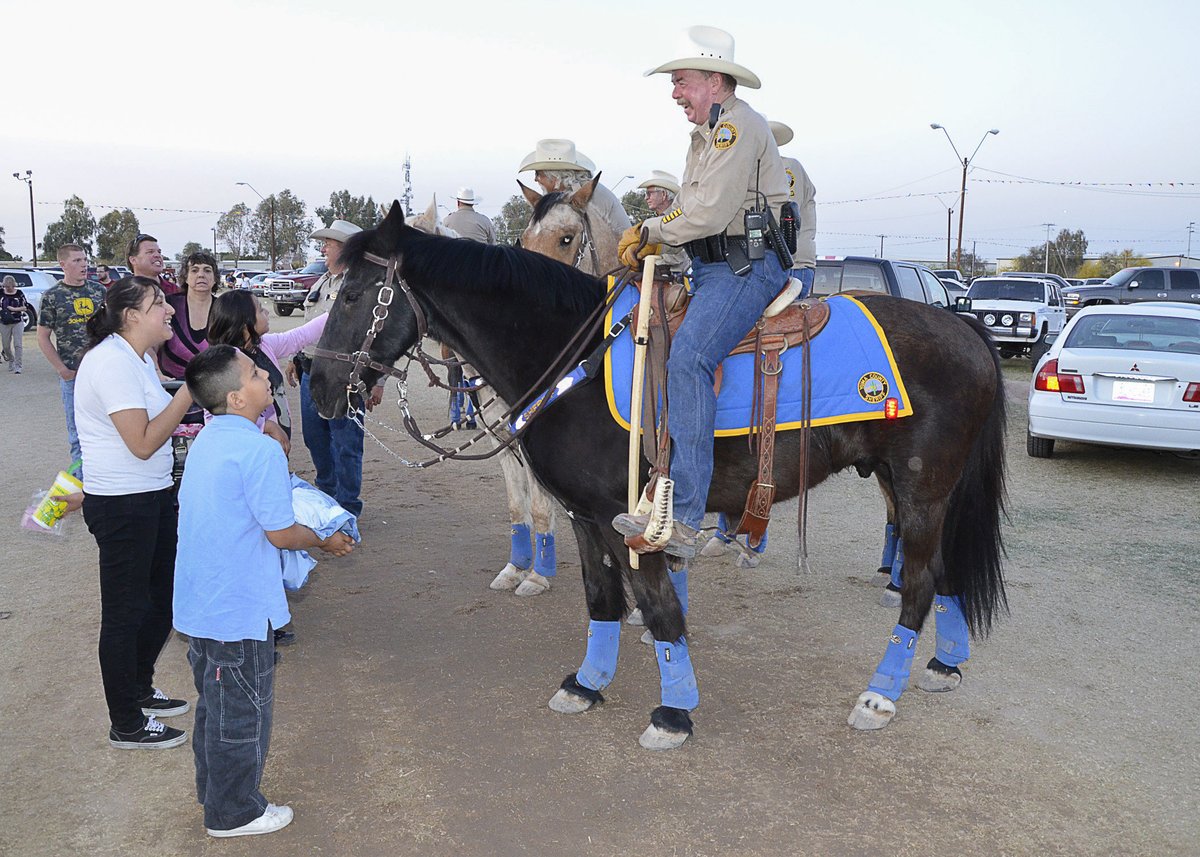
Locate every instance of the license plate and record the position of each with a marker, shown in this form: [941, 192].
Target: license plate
[1133, 391]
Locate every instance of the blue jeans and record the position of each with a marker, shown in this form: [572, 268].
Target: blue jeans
[336, 447]
[236, 686]
[67, 388]
[723, 309]
[806, 276]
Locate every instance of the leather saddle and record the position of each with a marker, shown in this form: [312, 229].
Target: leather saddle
[785, 324]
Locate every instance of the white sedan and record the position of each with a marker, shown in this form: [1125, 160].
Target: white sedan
[1120, 376]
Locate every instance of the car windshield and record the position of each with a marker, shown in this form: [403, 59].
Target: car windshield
[1138, 332]
[317, 267]
[1006, 290]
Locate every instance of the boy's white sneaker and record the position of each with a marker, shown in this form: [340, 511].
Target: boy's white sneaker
[275, 818]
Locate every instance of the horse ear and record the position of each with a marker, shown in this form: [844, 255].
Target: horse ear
[431, 212]
[531, 196]
[390, 229]
[583, 196]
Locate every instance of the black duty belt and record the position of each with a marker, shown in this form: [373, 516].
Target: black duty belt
[715, 248]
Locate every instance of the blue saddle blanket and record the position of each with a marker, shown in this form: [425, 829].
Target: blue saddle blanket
[854, 374]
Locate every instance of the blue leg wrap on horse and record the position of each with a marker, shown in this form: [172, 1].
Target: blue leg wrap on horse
[544, 562]
[675, 669]
[600, 662]
[521, 552]
[762, 546]
[891, 676]
[456, 407]
[898, 564]
[679, 581]
[889, 546]
[953, 636]
[723, 528]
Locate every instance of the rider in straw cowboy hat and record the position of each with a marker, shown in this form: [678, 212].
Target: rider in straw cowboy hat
[802, 192]
[733, 165]
[661, 189]
[558, 166]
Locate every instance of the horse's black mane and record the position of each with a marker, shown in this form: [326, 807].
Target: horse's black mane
[547, 202]
[494, 271]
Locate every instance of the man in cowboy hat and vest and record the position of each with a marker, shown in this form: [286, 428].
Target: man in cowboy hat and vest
[661, 189]
[558, 167]
[802, 192]
[468, 222]
[732, 165]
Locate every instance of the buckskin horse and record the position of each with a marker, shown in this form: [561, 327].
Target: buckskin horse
[513, 314]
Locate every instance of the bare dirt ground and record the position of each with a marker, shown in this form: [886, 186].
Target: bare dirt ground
[411, 714]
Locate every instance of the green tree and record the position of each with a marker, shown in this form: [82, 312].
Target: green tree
[188, 249]
[76, 226]
[512, 220]
[5, 256]
[233, 230]
[1109, 263]
[116, 230]
[361, 211]
[634, 203]
[292, 227]
[1066, 255]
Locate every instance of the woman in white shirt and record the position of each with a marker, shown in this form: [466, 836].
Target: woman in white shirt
[125, 420]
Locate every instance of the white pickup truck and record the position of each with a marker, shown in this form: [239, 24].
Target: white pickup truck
[1018, 312]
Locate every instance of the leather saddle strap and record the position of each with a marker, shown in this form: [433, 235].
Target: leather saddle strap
[805, 445]
[761, 496]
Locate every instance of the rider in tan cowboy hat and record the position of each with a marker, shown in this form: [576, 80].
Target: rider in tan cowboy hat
[661, 189]
[468, 222]
[802, 192]
[732, 165]
[558, 166]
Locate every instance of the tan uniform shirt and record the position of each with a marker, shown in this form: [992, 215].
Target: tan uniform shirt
[802, 192]
[724, 165]
[327, 289]
[469, 223]
[611, 210]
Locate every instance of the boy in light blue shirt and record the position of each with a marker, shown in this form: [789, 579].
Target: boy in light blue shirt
[235, 515]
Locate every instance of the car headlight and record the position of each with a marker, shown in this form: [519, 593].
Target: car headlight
[1026, 318]
[1006, 319]
[989, 319]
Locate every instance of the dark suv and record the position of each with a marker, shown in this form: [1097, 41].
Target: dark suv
[867, 273]
[1138, 285]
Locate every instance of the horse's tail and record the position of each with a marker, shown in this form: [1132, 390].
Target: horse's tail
[972, 545]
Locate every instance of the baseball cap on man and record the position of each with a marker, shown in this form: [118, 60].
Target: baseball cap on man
[339, 230]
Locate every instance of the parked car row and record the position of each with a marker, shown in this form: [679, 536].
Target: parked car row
[836, 274]
[1138, 285]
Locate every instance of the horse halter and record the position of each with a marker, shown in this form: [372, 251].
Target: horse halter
[587, 245]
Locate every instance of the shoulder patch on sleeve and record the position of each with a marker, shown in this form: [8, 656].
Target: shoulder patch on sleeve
[725, 135]
[672, 214]
[791, 183]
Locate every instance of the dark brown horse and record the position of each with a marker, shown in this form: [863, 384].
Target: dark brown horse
[511, 312]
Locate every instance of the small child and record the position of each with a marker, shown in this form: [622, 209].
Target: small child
[235, 514]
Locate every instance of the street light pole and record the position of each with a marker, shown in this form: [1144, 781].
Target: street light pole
[214, 232]
[881, 237]
[962, 196]
[1046, 266]
[1191, 229]
[618, 184]
[28, 179]
[272, 202]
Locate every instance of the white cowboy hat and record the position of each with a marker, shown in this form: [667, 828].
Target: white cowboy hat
[660, 179]
[339, 230]
[556, 155]
[782, 133]
[467, 195]
[709, 49]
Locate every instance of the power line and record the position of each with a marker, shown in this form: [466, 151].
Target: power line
[142, 208]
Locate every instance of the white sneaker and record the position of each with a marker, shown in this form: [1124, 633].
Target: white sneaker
[275, 818]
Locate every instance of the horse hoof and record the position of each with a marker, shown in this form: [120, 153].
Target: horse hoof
[574, 698]
[534, 584]
[648, 637]
[510, 577]
[635, 617]
[890, 597]
[668, 729]
[885, 570]
[872, 711]
[939, 678]
[715, 547]
[748, 559]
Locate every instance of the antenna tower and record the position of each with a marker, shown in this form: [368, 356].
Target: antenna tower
[406, 198]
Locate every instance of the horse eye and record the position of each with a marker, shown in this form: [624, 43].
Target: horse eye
[567, 239]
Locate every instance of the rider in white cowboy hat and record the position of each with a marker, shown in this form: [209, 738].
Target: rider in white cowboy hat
[468, 222]
[661, 189]
[558, 166]
[802, 192]
[732, 165]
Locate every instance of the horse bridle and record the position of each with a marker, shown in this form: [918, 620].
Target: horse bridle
[587, 244]
[361, 359]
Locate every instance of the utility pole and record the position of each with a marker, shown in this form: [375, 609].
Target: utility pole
[272, 202]
[881, 237]
[962, 195]
[214, 232]
[949, 215]
[1046, 268]
[1191, 229]
[28, 179]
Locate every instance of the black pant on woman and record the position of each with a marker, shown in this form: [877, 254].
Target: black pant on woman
[136, 534]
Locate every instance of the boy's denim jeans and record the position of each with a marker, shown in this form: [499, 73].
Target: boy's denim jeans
[67, 388]
[336, 447]
[724, 307]
[236, 686]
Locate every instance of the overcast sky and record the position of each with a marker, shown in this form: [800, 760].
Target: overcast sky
[188, 98]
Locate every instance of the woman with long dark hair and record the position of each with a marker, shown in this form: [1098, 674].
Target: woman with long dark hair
[125, 420]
